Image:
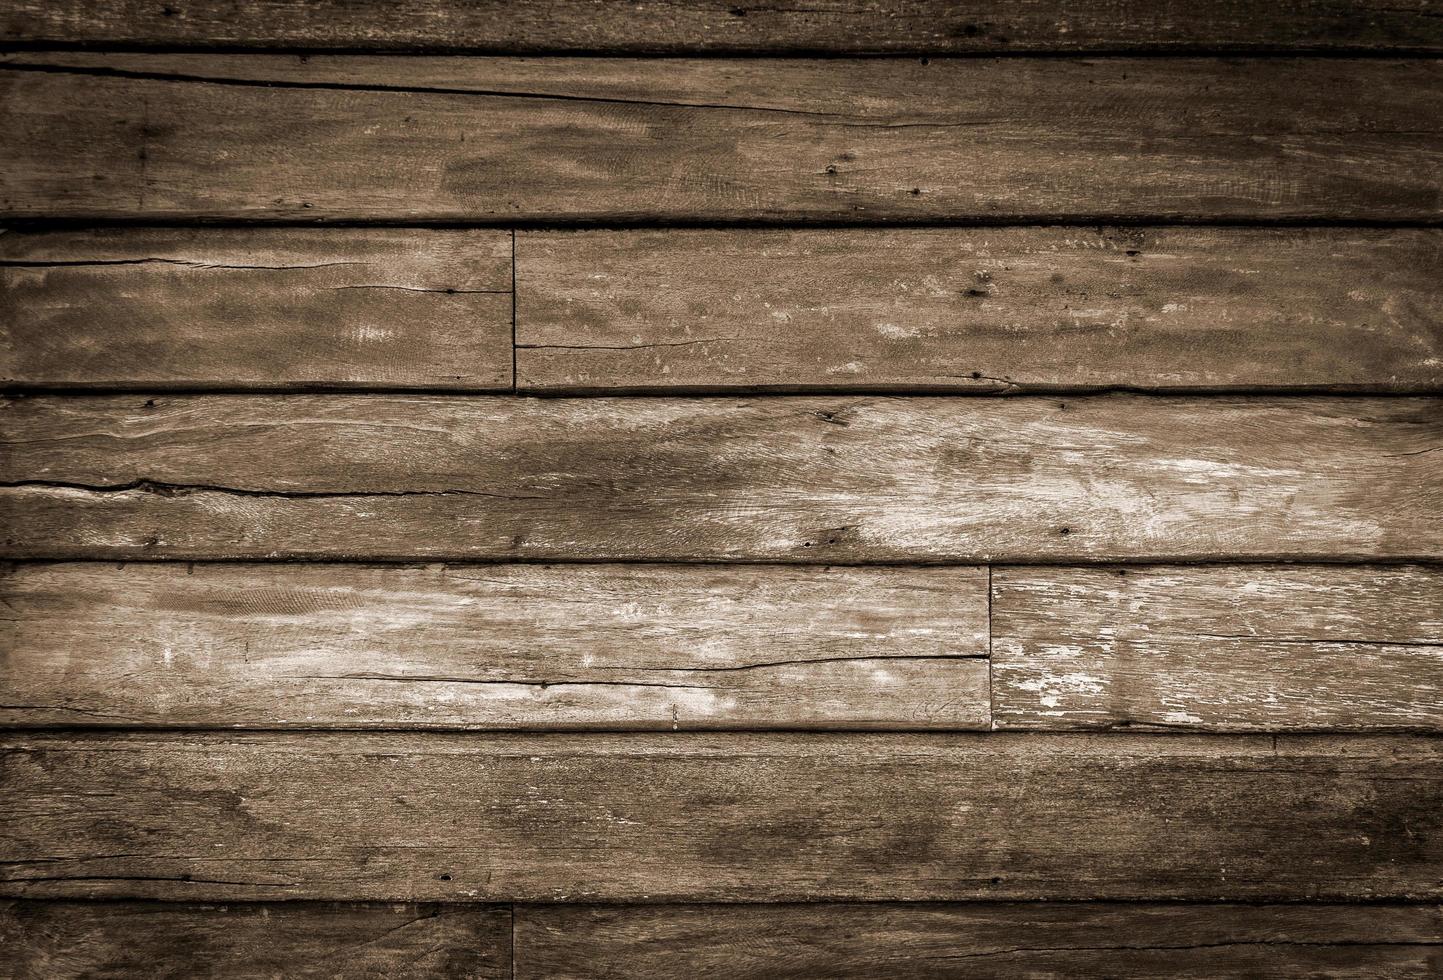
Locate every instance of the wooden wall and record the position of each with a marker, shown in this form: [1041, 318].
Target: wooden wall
[568, 489]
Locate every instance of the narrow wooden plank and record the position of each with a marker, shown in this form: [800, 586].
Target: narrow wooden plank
[978, 940]
[740, 817]
[56, 940]
[990, 309]
[94, 135]
[1254, 648]
[797, 479]
[530, 647]
[679, 26]
[264, 308]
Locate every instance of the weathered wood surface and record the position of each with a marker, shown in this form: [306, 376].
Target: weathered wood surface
[740, 817]
[1245, 648]
[509, 646]
[654, 26]
[988, 309]
[799, 479]
[978, 940]
[59, 940]
[496, 139]
[266, 308]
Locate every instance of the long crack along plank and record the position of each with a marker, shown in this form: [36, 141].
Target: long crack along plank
[497, 139]
[1247, 648]
[688, 817]
[620, 646]
[977, 940]
[992, 309]
[263, 308]
[791, 479]
[668, 26]
[54, 940]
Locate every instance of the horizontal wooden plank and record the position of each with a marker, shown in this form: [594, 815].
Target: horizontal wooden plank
[56, 940]
[991, 309]
[978, 940]
[797, 479]
[654, 26]
[740, 817]
[1254, 648]
[96, 135]
[264, 308]
[509, 646]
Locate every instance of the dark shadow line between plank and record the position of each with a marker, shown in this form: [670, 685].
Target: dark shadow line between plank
[1014, 391]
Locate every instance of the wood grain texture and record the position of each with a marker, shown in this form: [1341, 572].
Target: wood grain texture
[495, 139]
[59, 940]
[740, 817]
[266, 308]
[622, 646]
[991, 309]
[979, 940]
[653, 26]
[1256, 648]
[820, 480]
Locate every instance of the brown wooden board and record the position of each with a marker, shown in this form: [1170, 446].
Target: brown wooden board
[978, 940]
[94, 135]
[263, 308]
[501, 646]
[59, 940]
[1250, 648]
[669, 26]
[739, 817]
[797, 479]
[986, 309]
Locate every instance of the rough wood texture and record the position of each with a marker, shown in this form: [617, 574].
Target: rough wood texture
[800, 479]
[273, 308]
[686, 817]
[487, 139]
[991, 309]
[59, 940]
[669, 26]
[1254, 648]
[622, 646]
[979, 940]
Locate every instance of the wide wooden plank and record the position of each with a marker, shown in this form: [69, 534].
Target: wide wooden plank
[264, 308]
[1249, 648]
[531, 647]
[989, 309]
[978, 940]
[740, 817]
[654, 26]
[798, 479]
[57, 940]
[495, 139]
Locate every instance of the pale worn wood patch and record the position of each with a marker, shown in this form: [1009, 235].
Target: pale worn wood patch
[187, 941]
[1246, 648]
[796, 479]
[739, 817]
[99, 135]
[530, 647]
[977, 940]
[258, 308]
[991, 309]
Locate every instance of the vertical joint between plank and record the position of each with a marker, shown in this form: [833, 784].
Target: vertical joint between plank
[513, 346]
[512, 908]
[991, 695]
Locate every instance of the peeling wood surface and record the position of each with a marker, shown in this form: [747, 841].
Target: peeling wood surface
[190, 941]
[618, 646]
[686, 817]
[97, 135]
[680, 26]
[978, 940]
[797, 479]
[990, 309]
[264, 308]
[1250, 648]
